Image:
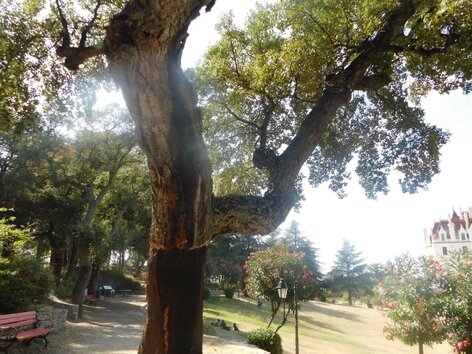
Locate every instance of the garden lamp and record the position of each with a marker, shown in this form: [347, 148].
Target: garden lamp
[282, 289]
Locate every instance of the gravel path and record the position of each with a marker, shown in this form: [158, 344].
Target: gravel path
[114, 326]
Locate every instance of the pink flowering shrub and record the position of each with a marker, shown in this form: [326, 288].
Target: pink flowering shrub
[411, 301]
[427, 301]
[265, 268]
[457, 302]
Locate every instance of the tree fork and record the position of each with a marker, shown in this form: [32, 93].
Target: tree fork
[174, 290]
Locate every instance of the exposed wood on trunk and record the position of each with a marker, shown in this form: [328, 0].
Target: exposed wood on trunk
[175, 289]
[144, 47]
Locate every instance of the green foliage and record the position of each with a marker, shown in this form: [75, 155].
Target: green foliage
[412, 300]
[257, 85]
[348, 271]
[266, 267]
[206, 293]
[229, 293]
[64, 290]
[12, 238]
[457, 301]
[226, 257]
[25, 282]
[118, 280]
[266, 339]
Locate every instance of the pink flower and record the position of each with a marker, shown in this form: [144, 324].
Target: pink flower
[393, 305]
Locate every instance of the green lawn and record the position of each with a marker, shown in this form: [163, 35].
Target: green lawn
[323, 328]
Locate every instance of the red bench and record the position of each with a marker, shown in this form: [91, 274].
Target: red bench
[19, 327]
[90, 299]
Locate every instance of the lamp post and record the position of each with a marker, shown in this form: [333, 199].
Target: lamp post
[282, 290]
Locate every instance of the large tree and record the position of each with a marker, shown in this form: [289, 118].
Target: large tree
[348, 270]
[319, 80]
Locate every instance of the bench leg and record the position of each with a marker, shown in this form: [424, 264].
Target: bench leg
[45, 341]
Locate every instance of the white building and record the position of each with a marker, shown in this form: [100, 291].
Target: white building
[453, 234]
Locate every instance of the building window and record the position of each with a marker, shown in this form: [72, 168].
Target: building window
[463, 236]
[443, 237]
[444, 251]
[465, 249]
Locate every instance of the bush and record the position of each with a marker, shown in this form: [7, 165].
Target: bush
[206, 293]
[24, 283]
[266, 339]
[229, 293]
[118, 280]
[64, 290]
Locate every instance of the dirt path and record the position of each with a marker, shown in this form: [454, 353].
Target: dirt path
[114, 326]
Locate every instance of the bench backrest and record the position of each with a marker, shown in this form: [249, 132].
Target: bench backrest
[18, 319]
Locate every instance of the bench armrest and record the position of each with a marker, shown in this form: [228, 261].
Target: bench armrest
[7, 333]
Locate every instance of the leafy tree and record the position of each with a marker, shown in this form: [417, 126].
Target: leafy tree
[457, 301]
[412, 301]
[264, 270]
[226, 258]
[348, 270]
[12, 238]
[298, 243]
[268, 108]
[24, 279]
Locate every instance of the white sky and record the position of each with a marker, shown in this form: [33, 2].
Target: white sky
[393, 224]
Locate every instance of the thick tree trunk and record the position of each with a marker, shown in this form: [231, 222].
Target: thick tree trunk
[143, 46]
[175, 289]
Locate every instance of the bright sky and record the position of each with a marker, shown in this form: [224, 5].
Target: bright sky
[393, 224]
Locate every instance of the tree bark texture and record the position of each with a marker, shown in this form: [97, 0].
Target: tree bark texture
[174, 323]
[83, 277]
[143, 47]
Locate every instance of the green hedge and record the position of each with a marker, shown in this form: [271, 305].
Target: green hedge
[229, 293]
[266, 339]
[24, 283]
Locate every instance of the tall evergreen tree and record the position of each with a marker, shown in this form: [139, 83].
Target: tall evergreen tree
[296, 242]
[348, 269]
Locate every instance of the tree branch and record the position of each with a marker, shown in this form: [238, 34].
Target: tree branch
[74, 56]
[260, 215]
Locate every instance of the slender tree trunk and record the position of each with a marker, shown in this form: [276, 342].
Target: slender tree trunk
[420, 347]
[92, 286]
[73, 257]
[57, 262]
[83, 277]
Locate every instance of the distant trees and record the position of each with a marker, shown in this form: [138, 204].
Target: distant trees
[86, 192]
[226, 258]
[348, 271]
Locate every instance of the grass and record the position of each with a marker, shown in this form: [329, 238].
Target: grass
[323, 328]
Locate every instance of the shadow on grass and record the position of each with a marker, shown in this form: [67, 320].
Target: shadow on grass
[337, 312]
